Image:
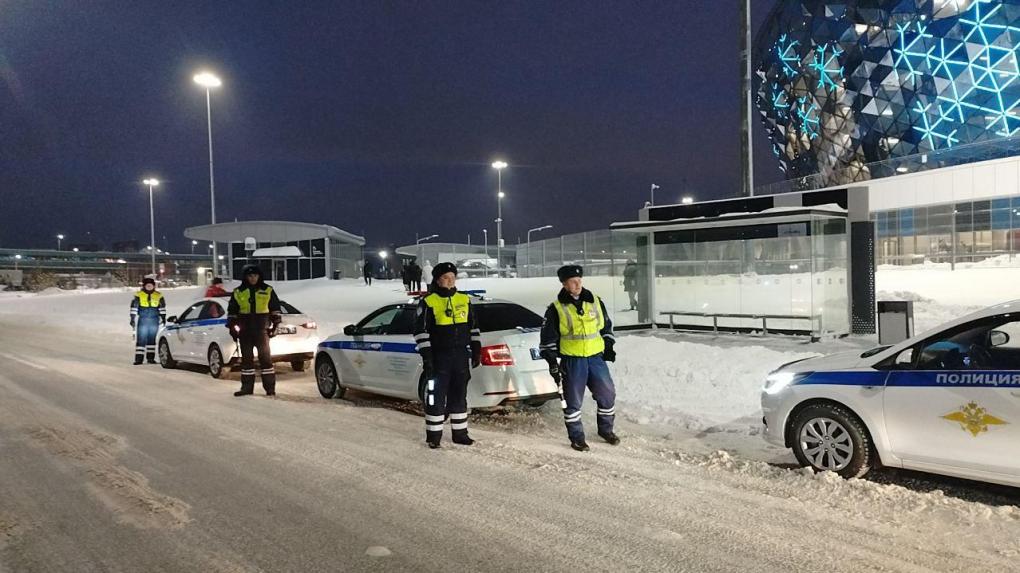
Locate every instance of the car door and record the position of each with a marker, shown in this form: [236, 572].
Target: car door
[365, 363]
[955, 403]
[184, 344]
[397, 363]
[209, 328]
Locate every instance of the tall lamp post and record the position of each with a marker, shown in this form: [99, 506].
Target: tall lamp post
[59, 238]
[536, 229]
[152, 182]
[418, 242]
[193, 245]
[499, 166]
[485, 233]
[210, 81]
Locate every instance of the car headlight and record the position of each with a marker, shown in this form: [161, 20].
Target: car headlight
[776, 382]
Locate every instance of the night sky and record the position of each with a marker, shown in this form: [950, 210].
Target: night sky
[378, 117]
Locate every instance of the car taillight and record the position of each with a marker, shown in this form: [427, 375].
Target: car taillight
[310, 325]
[498, 355]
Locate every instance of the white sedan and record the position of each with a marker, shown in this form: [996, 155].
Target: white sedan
[946, 401]
[200, 336]
[378, 355]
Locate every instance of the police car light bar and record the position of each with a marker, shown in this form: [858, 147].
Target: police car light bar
[480, 293]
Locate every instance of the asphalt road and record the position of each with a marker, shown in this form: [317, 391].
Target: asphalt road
[105, 466]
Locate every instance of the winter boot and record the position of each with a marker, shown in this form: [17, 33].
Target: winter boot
[245, 391]
[463, 439]
[433, 445]
[138, 362]
[610, 437]
[581, 446]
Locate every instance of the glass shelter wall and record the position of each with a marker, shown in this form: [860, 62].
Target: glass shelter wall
[795, 273]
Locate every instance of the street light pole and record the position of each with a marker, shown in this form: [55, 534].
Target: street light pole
[152, 223]
[418, 242]
[59, 238]
[193, 244]
[499, 166]
[209, 81]
[542, 228]
[485, 232]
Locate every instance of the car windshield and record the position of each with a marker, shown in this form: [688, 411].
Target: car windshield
[493, 317]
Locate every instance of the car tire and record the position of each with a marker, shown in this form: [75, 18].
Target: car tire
[298, 365]
[166, 360]
[217, 368]
[327, 378]
[829, 437]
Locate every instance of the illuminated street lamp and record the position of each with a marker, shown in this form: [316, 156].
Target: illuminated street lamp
[193, 245]
[421, 250]
[688, 200]
[152, 182]
[16, 259]
[59, 238]
[210, 81]
[499, 166]
[536, 229]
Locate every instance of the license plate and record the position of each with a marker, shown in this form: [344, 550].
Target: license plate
[287, 329]
[535, 355]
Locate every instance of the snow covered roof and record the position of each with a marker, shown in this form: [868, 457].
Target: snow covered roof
[277, 252]
[775, 215]
[270, 232]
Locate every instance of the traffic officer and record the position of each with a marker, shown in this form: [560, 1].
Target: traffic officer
[449, 341]
[252, 316]
[148, 312]
[579, 335]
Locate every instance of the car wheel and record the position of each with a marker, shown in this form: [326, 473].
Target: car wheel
[165, 359]
[327, 378]
[828, 437]
[298, 365]
[216, 365]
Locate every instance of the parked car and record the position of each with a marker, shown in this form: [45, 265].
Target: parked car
[199, 336]
[378, 355]
[946, 401]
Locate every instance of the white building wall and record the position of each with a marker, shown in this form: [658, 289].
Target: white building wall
[971, 182]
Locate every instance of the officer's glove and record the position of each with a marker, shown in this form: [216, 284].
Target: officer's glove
[162, 321]
[233, 327]
[476, 360]
[609, 354]
[557, 375]
[132, 322]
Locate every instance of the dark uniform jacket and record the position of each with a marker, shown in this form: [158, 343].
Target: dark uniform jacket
[253, 320]
[550, 339]
[432, 338]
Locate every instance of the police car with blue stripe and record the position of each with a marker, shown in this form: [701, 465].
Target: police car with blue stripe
[199, 335]
[378, 355]
[946, 401]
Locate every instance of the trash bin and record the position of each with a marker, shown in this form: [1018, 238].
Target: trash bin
[337, 274]
[895, 321]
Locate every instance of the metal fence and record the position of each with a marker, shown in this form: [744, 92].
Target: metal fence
[599, 252]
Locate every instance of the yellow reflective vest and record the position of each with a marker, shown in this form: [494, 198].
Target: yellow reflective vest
[448, 311]
[581, 336]
[262, 297]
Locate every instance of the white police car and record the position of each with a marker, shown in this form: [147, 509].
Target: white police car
[199, 336]
[946, 401]
[378, 355]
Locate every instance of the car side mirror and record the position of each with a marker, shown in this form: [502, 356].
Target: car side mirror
[172, 319]
[350, 330]
[997, 338]
[905, 359]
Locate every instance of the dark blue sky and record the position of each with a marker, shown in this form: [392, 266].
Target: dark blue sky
[378, 117]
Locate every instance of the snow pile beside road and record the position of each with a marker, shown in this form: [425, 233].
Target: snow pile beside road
[697, 386]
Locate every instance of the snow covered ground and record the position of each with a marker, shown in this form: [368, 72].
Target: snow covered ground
[688, 412]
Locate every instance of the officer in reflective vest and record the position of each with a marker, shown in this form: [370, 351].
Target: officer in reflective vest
[577, 341]
[148, 311]
[252, 317]
[449, 341]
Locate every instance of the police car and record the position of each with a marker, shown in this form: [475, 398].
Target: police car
[946, 401]
[199, 336]
[378, 355]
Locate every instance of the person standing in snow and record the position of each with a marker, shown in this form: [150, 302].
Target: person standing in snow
[416, 272]
[216, 289]
[366, 270]
[253, 315]
[449, 342]
[577, 340]
[426, 272]
[630, 271]
[148, 312]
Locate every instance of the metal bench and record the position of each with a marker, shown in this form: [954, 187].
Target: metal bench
[715, 316]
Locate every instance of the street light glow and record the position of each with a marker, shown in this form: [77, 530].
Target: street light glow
[61, 237]
[194, 242]
[502, 194]
[383, 254]
[207, 80]
[75, 249]
[17, 257]
[499, 165]
[687, 200]
[151, 181]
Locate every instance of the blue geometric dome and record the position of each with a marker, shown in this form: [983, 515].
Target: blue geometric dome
[843, 84]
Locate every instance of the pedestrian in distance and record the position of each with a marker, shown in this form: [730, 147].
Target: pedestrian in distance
[366, 271]
[630, 283]
[426, 272]
[148, 312]
[216, 289]
[416, 273]
[577, 340]
[405, 277]
[450, 345]
[253, 315]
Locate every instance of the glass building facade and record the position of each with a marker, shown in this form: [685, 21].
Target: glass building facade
[953, 233]
[846, 87]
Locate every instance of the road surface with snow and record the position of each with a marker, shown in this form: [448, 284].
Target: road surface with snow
[105, 466]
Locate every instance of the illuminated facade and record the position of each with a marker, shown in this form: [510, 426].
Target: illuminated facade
[844, 86]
